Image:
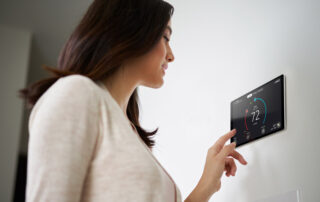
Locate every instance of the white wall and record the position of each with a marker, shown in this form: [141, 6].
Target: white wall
[224, 49]
[14, 59]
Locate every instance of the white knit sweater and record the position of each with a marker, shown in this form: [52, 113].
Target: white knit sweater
[83, 148]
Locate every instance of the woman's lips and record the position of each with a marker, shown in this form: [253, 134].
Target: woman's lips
[165, 67]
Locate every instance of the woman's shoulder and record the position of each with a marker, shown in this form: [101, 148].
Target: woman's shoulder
[72, 90]
[71, 95]
[72, 86]
[79, 84]
[75, 81]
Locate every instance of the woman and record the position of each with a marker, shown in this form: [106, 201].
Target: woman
[86, 142]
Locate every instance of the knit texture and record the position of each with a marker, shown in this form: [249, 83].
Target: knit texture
[83, 148]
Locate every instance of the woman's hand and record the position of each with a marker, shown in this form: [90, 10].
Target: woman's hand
[217, 162]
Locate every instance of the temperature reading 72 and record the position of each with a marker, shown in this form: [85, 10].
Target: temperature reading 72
[257, 116]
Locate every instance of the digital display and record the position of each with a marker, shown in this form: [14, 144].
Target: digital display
[258, 113]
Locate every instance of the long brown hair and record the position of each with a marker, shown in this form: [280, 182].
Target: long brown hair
[110, 32]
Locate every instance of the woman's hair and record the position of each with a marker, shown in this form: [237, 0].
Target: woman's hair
[110, 32]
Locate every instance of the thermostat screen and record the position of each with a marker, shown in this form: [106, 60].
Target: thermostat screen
[259, 112]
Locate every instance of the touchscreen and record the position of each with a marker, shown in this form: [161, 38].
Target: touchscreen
[258, 113]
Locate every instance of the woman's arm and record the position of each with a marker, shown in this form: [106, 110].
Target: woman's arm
[63, 132]
[197, 195]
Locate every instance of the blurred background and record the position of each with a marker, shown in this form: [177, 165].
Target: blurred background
[223, 49]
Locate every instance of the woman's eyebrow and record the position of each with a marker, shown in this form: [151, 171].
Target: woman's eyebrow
[169, 28]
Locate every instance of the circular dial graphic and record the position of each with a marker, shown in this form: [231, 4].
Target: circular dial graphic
[255, 114]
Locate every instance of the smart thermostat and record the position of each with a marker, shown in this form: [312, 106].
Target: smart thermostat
[260, 112]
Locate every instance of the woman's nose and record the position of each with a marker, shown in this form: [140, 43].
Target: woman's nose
[170, 56]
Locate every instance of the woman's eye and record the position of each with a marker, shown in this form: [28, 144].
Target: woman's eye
[167, 39]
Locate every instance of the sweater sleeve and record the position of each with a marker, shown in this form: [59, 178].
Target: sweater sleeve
[63, 129]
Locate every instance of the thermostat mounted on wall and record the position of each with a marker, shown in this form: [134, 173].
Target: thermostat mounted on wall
[260, 112]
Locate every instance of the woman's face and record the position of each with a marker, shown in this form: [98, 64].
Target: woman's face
[150, 68]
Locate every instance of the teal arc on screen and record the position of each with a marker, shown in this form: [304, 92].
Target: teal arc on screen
[265, 108]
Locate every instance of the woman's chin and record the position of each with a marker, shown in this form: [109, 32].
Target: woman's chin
[154, 85]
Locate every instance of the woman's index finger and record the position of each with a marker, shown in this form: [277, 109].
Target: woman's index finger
[223, 139]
